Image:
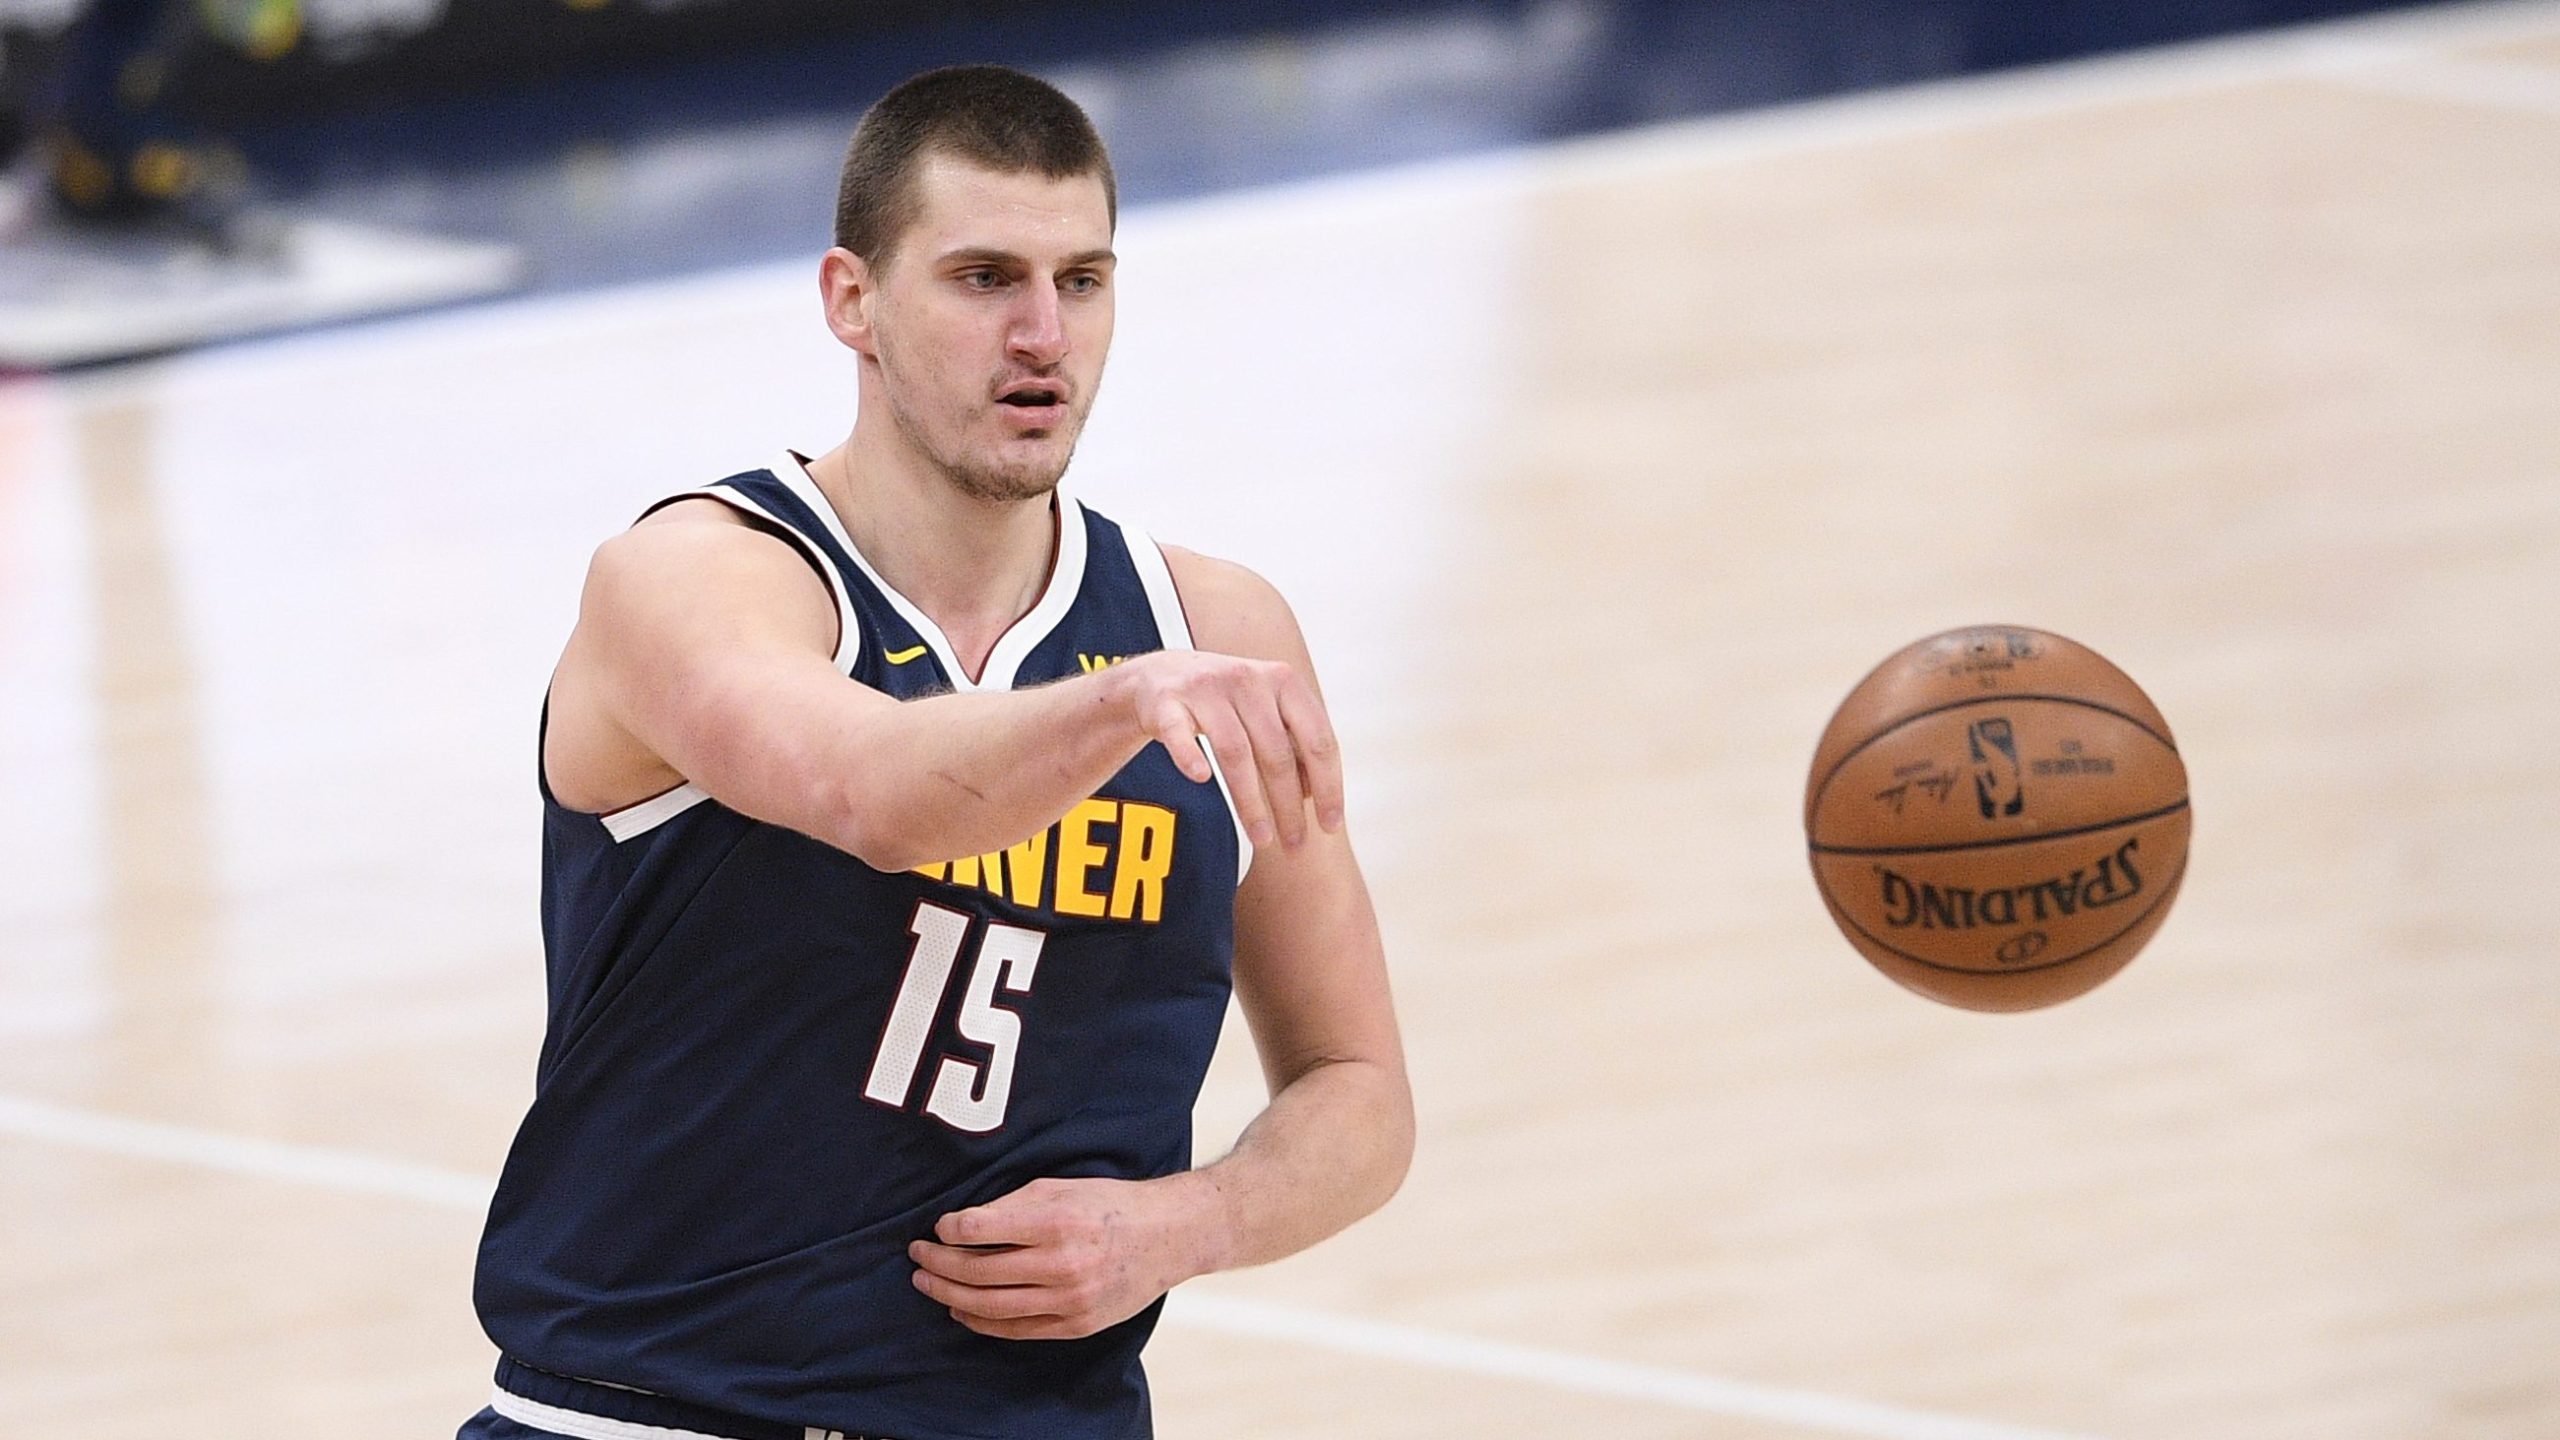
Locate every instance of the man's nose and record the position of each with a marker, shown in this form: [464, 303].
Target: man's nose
[1039, 335]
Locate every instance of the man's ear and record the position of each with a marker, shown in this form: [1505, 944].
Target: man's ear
[846, 286]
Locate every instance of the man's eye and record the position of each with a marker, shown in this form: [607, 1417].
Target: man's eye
[981, 279]
[1084, 284]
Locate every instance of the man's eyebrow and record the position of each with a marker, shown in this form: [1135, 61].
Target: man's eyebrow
[987, 255]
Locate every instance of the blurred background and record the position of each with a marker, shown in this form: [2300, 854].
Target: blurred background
[582, 142]
[1634, 376]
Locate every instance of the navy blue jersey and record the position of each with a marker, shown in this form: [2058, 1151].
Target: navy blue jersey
[768, 1066]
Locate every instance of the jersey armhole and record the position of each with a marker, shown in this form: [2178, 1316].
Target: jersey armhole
[848, 622]
[1173, 632]
[640, 817]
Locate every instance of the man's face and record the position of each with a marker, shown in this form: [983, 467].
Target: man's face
[991, 321]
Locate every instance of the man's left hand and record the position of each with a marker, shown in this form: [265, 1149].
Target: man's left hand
[1062, 1259]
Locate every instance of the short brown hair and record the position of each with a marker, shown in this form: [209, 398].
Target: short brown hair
[985, 114]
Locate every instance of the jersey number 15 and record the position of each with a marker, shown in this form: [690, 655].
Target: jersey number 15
[965, 1096]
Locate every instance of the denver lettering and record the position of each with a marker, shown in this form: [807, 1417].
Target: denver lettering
[1909, 902]
[1106, 860]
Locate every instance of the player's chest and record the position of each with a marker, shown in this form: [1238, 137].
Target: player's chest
[1150, 849]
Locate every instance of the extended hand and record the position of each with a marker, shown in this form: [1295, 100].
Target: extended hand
[1270, 732]
[1072, 1256]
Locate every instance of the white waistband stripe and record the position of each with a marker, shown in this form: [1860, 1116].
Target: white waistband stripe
[582, 1425]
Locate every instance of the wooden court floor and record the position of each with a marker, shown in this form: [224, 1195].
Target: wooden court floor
[1598, 474]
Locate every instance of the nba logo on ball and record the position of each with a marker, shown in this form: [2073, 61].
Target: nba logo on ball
[1997, 818]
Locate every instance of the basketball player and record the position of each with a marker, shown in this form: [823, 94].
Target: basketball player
[905, 822]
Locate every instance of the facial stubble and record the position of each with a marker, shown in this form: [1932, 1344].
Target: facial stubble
[995, 483]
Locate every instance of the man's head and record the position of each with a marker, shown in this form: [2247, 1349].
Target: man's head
[993, 118]
[972, 271]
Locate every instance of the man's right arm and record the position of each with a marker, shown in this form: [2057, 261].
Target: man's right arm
[702, 653]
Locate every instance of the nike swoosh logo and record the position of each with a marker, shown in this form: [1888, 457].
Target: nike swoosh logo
[901, 657]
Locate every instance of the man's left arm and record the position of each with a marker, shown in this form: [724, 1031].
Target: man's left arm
[1059, 1258]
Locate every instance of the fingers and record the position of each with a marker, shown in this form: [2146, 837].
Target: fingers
[1038, 1213]
[990, 1302]
[1029, 1216]
[973, 1226]
[1275, 758]
[1013, 1294]
[1077, 1255]
[1035, 1327]
[1012, 1265]
[1267, 737]
[1228, 737]
[1170, 721]
[998, 1225]
[1318, 753]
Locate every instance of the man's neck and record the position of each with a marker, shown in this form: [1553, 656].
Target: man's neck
[974, 566]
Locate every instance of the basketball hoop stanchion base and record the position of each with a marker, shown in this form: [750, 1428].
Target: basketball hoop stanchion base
[81, 293]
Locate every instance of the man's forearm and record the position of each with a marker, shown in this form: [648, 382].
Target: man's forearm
[958, 775]
[1331, 1147]
[971, 774]
[1061, 1258]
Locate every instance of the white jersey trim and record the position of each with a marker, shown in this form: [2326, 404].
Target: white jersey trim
[1173, 629]
[848, 620]
[582, 1425]
[1066, 580]
[649, 814]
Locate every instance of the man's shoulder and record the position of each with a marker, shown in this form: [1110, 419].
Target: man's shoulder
[1232, 609]
[695, 557]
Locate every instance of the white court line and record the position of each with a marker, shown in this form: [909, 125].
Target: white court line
[1676, 1389]
[360, 1174]
[243, 1155]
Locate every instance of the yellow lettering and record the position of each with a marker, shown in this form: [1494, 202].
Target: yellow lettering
[1145, 858]
[1023, 865]
[1078, 854]
[984, 872]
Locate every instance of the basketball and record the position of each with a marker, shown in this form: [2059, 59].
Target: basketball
[1997, 818]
